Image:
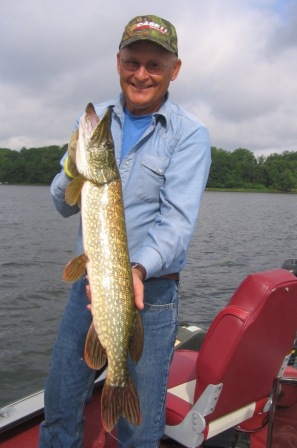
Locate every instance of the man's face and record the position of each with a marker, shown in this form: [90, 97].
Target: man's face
[144, 92]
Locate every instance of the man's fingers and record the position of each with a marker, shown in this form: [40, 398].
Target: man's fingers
[88, 293]
[138, 289]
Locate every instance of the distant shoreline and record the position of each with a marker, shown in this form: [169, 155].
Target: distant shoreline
[249, 190]
[217, 190]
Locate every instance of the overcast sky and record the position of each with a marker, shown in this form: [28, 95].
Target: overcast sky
[239, 72]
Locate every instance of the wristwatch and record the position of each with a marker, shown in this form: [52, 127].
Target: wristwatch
[140, 268]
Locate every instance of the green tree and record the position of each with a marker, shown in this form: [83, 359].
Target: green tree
[282, 171]
[244, 168]
[220, 175]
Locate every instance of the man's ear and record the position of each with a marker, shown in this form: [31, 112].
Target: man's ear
[176, 69]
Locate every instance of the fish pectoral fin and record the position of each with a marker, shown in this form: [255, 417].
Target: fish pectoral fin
[73, 191]
[75, 269]
[117, 401]
[94, 354]
[136, 340]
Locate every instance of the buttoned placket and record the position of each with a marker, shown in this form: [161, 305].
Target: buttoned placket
[126, 165]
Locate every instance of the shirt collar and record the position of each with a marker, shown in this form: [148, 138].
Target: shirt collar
[161, 115]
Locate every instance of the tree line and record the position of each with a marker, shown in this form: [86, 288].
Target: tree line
[238, 169]
[30, 166]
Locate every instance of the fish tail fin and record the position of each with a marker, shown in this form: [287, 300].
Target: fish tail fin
[117, 401]
[94, 353]
[136, 340]
[75, 268]
[73, 190]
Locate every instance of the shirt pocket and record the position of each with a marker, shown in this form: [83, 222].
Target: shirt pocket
[151, 177]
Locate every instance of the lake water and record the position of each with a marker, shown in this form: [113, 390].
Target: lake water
[237, 234]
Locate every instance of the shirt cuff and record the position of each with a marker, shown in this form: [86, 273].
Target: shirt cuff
[150, 259]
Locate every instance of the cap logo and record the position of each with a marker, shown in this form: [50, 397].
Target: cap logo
[153, 25]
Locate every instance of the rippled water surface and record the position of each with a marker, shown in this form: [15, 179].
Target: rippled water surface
[237, 233]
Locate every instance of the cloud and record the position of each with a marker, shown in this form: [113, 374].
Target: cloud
[238, 73]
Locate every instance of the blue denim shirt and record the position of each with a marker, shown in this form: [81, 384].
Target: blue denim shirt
[163, 178]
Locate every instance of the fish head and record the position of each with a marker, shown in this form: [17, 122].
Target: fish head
[95, 150]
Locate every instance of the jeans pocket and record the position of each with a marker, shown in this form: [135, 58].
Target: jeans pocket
[161, 295]
[166, 306]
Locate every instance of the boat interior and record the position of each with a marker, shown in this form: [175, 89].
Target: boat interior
[228, 382]
[235, 379]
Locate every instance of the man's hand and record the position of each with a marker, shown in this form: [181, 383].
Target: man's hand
[89, 296]
[138, 290]
[70, 162]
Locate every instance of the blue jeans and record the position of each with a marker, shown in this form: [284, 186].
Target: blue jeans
[70, 381]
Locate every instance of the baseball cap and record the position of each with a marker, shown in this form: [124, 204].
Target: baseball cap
[151, 28]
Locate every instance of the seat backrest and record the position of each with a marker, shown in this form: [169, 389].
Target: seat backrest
[246, 343]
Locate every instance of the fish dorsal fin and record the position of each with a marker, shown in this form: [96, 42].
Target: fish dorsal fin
[73, 190]
[75, 269]
[94, 354]
[91, 115]
[136, 341]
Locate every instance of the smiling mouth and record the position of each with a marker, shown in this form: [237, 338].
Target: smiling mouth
[137, 87]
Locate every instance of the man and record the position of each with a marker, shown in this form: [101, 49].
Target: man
[163, 154]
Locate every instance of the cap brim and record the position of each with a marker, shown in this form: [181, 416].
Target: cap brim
[151, 39]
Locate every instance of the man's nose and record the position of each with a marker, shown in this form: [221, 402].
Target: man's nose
[142, 72]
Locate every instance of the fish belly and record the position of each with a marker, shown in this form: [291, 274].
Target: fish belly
[109, 273]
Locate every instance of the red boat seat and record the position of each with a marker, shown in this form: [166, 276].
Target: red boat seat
[246, 347]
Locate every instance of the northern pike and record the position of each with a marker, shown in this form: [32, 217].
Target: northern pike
[116, 329]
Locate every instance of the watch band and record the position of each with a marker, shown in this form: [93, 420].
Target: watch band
[140, 268]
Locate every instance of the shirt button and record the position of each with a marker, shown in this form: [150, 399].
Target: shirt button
[160, 171]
